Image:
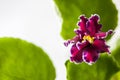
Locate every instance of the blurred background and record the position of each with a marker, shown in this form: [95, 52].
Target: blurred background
[37, 21]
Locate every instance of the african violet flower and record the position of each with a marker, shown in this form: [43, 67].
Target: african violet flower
[89, 40]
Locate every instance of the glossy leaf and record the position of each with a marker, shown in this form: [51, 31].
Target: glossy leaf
[71, 9]
[103, 69]
[21, 60]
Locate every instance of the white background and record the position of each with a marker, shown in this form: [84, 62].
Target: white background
[37, 21]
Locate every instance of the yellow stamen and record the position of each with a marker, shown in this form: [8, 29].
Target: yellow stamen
[88, 38]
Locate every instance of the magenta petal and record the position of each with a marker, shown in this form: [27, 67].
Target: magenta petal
[102, 35]
[82, 23]
[74, 50]
[76, 54]
[67, 43]
[82, 45]
[99, 26]
[90, 55]
[75, 39]
[100, 45]
[93, 26]
[77, 31]
[77, 58]
[94, 17]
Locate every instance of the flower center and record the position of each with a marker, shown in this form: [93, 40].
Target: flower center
[88, 38]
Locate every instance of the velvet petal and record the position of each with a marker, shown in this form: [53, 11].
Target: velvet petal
[82, 23]
[76, 55]
[90, 55]
[101, 46]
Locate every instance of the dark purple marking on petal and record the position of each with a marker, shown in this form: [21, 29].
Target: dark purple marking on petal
[77, 58]
[76, 55]
[99, 26]
[67, 43]
[93, 26]
[74, 50]
[77, 31]
[101, 46]
[110, 32]
[82, 45]
[90, 55]
[82, 23]
[95, 17]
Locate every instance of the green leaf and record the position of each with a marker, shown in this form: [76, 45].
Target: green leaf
[21, 60]
[103, 69]
[71, 9]
[116, 76]
[116, 52]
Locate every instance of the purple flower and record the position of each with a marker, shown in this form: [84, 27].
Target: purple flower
[89, 40]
